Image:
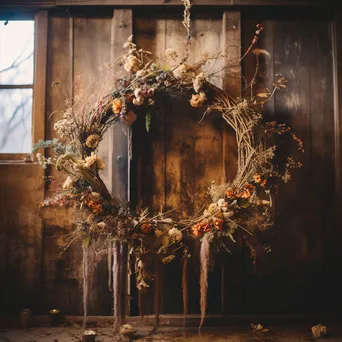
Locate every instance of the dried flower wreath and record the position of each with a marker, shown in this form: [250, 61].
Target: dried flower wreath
[241, 206]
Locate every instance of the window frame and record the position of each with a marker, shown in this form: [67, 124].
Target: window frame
[38, 86]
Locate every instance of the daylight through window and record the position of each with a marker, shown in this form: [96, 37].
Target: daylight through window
[16, 86]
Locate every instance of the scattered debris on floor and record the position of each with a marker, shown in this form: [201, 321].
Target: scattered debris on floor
[319, 330]
[259, 328]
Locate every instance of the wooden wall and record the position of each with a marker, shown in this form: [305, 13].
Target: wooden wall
[179, 157]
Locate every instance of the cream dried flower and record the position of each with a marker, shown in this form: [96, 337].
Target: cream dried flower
[198, 99]
[180, 71]
[171, 54]
[68, 183]
[198, 82]
[138, 101]
[93, 159]
[175, 234]
[93, 141]
[142, 72]
[132, 63]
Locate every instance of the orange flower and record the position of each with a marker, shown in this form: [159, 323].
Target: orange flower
[218, 224]
[245, 194]
[249, 187]
[257, 178]
[206, 227]
[117, 106]
[197, 230]
[96, 208]
[230, 193]
[146, 228]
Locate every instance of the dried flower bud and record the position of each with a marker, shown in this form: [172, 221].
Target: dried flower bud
[146, 228]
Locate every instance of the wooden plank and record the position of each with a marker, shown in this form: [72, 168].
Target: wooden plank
[59, 71]
[91, 52]
[121, 29]
[194, 2]
[294, 213]
[208, 144]
[39, 86]
[232, 83]
[21, 225]
[148, 164]
[120, 147]
[322, 249]
[62, 292]
[337, 73]
[261, 68]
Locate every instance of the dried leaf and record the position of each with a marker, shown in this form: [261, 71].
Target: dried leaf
[264, 95]
[168, 259]
[261, 52]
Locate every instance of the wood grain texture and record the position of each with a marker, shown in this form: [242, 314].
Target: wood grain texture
[159, 2]
[91, 53]
[61, 276]
[232, 84]
[121, 29]
[173, 164]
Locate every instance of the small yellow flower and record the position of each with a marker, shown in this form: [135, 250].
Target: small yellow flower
[117, 106]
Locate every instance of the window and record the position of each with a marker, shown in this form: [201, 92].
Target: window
[16, 86]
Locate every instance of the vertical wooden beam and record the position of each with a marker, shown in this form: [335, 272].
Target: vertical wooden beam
[337, 78]
[231, 40]
[38, 114]
[337, 72]
[231, 43]
[120, 147]
[39, 87]
[122, 27]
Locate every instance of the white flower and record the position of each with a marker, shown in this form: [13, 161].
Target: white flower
[68, 183]
[175, 234]
[137, 92]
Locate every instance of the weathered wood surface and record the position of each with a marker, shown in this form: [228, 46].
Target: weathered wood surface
[21, 235]
[301, 51]
[178, 157]
[53, 3]
[120, 155]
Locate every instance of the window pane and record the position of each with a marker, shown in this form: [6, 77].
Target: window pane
[16, 52]
[15, 120]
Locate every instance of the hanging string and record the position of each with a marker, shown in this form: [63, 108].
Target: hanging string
[185, 288]
[85, 283]
[116, 285]
[187, 23]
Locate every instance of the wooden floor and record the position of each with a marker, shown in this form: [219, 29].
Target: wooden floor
[237, 329]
